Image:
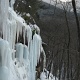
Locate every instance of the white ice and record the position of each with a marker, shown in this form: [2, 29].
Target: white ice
[19, 51]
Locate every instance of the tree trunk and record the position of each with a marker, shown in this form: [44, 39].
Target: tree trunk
[78, 30]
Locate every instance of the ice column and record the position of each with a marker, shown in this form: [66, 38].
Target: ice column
[29, 35]
[37, 42]
[4, 59]
[25, 53]
[35, 48]
[4, 4]
[19, 51]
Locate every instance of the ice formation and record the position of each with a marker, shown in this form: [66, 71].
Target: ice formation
[17, 61]
[19, 52]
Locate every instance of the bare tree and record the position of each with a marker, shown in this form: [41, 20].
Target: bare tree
[78, 30]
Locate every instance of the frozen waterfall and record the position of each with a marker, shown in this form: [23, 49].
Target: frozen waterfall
[17, 61]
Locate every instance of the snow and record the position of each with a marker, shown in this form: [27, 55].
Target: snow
[45, 75]
[29, 6]
[28, 15]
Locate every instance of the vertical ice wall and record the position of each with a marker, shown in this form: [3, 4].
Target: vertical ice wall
[35, 47]
[12, 25]
[4, 46]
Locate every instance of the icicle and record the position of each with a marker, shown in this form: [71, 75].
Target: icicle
[29, 34]
[3, 52]
[37, 47]
[26, 53]
[44, 62]
[24, 33]
[4, 9]
[19, 52]
[31, 61]
[17, 31]
[14, 33]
